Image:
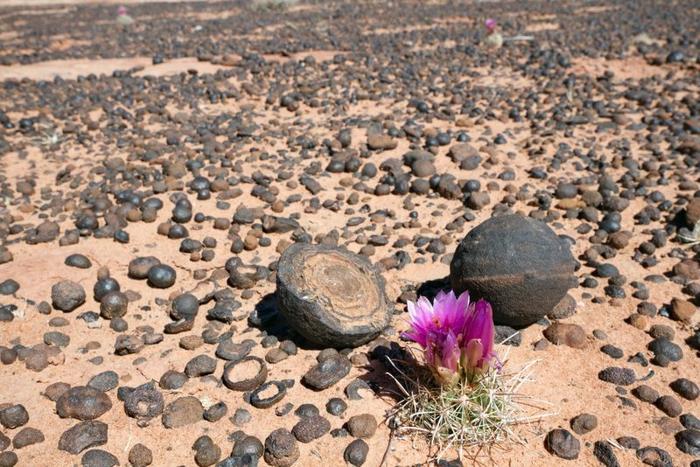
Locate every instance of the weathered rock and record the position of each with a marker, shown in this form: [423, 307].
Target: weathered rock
[83, 403]
[331, 296]
[82, 436]
[183, 411]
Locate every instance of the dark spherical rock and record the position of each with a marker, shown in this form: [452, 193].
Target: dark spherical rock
[161, 276]
[518, 264]
[356, 452]
[331, 296]
[114, 305]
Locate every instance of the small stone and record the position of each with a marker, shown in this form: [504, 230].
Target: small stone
[281, 448]
[618, 375]
[571, 335]
[98, 458]
[584, 423]
[26, 437]
[206, 451]
[685, 388]
[362, 426]
[200, 365]
[646, 393]
[654, 456]
[682, 310]
[14, 416]
[67, 295]
[688, 441]
[336, 406]
[311, 428]
[82, 436]
[83, 403]
[327, 372]
[105, 381]
[356, 452]
[140, 456]
[603, 451]
[144, 402]
[182, 411]
[669, 405]
[562, 444]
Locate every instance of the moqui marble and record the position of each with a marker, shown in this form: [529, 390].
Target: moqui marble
[516, 263]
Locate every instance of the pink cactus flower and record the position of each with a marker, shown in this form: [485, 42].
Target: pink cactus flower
[490, 25]
[121, 11]
[456, 336]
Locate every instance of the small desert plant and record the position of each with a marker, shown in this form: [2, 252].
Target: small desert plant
[461, 397]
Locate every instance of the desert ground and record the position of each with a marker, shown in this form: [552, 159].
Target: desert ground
[213, 135]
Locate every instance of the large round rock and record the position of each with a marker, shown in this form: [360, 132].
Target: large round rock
[516, 263]
[332, 297]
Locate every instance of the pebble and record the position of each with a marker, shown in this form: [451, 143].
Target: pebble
[562, 444]
[685, 388]
[82, 436]
[14, 416]
[584, 423]
[362, 426]
[183, 411]
[98, 458]
[281, 448]
[311, 427]
[356, 452]
[618, 375]
[67, 295]
[327, 372]
[83, 403]
[140, 456]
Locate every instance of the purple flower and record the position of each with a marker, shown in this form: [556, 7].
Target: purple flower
[456, 336]
[478, 337]
[490, 25]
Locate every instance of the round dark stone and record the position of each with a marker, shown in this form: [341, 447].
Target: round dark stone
[8, 287]
[281, 448]
[507, 249]
[185, 306]
[356, 452]
[618, 375]
[161, 276]
[336, 406]
[77, 260]
[103, 287]
[113, 305]
[249, 445]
